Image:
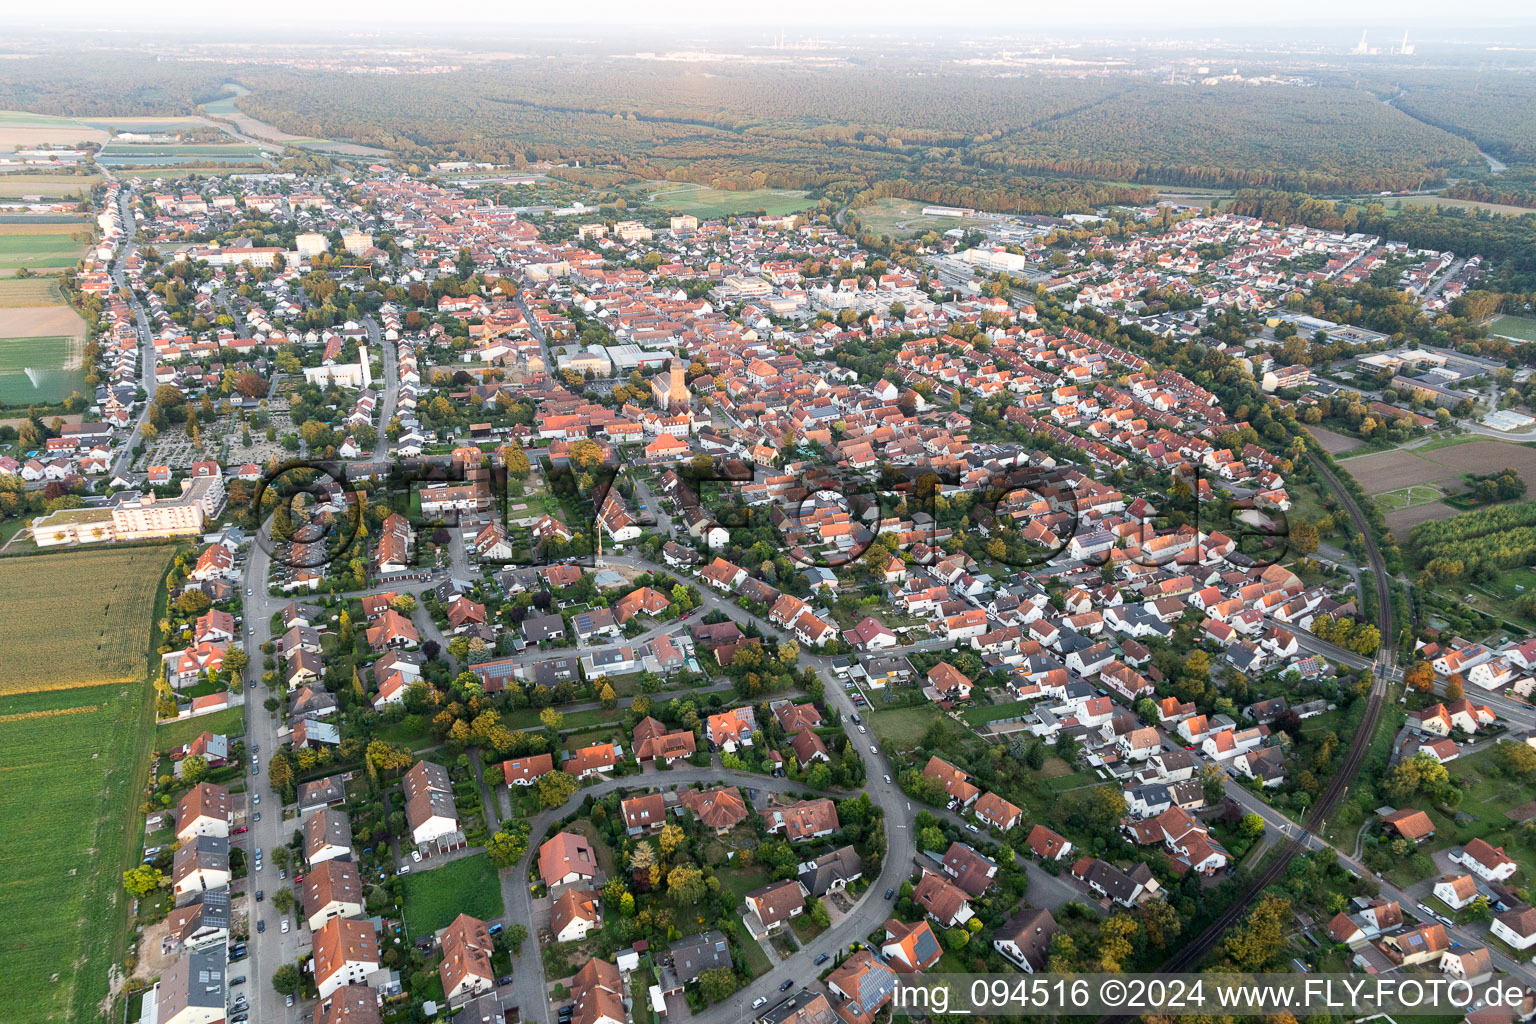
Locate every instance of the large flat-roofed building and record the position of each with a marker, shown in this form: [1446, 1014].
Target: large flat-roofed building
[140, 516]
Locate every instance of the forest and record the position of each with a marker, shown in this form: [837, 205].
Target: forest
[744, 124]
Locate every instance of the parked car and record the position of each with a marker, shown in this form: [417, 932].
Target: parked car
[862, 729]
[238, 981]
[887, 780]
[890, 894]
[971, 828]
[822, 959]
[873, 749]
[788, 983]
[416, 856]
[240, 830]
[261, 894]
[289, 1002]
[256, 816]
[255, 799]
[261, 926]
[285, 926]
[759, 1001]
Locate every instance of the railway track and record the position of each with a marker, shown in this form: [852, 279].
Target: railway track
[1195, 951]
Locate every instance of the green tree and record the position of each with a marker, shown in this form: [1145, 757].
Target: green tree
[286, 979]
[555, 788]
[282, 900]
[717, 983]
[142, 880]
[193, 769]
[508, 845]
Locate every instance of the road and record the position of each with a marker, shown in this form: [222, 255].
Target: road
[271, 948]
[147, 350]
[391, 387]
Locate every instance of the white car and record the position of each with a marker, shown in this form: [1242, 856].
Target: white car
[285, 926]
[416, 856]
[759, 1001]
[255, 798]
[862, 729]
[874, 749]
[887, 780]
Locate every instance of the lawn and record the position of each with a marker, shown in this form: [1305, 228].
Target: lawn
[73, 763]
[709, 202]
[1521, 327]
[95, 608]
[229, 722]
[433, 898]
[903, 728]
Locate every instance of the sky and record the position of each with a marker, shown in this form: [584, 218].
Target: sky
[602, 16]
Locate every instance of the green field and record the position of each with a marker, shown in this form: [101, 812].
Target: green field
[134, 155]
[1522, 328]
[38, 252]
[433, 897]
[899, 218]
[903, 727]
[95, 607]
[1407, 497]
[44, 357]
[704, 202]
[72, 764]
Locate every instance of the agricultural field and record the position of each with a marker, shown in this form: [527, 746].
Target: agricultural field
[22, 128]
[1504, 209]
[1522, 328]
[16, 186]
[40, 368]
[1395, 477]
[704, 202]
[38, 251]
[96, 607]
[80, 754]
[24, 293]
[434, 896]
[126, 155]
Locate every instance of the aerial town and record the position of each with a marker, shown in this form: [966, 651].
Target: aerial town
[599, 562]
[732, 622]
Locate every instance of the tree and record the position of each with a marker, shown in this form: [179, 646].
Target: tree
[1420, 676]
[552, 719]
[1517, 760]
[142, 880]
[280, 771]
[671, 839]
[286, 979]
[1213, 784]
[1251, 827]
[555, 788]
[508, 845]
[193, 768]
[1259, 940]
[685, 883]
[282, 900]
[717, 983]
[933, 838]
